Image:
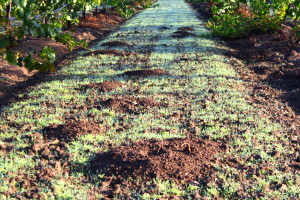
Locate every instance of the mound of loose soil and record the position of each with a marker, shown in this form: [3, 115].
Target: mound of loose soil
[105, 86]
[101, 22]
[109, 52]
[130, 104]
[186, 28]
[115, 44]
[71, 130]
[146, 73]
[176, 159]
[182, 34]
[162, 28]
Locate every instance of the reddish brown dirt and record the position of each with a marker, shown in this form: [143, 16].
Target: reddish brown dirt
[174, 159]
[274, 64]
[109, 52]
[11, 75]
[105, 86]
[6, 148]
[130, 104]
[115, 44]
[101, 22]
[146, 73]
[72, 130]
[182, 34]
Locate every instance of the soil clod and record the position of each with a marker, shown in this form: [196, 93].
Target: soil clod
[175, 159]
[130, 104]
[146, 73]
[162, 28]
[105, 86]
[115, 44]
[182, 34]
[186, 28]
[109, 52]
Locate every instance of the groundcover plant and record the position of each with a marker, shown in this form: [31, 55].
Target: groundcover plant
[153, 111]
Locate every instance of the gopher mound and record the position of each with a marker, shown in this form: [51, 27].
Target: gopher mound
[162, 28]
[177, 159]
[105, 86]
[72, 130]
[186, 28]
[182, 34]
[146, 73]
[109, 52]
[130, 104]
[115, 44]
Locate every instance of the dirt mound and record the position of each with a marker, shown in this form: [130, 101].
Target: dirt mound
[115, 44]
[109, 52]
[186, 28]
[71, 130]
[182, 34]
[176, 159]
[162, 28]
[105, 86]
[130, 104]
[146, 72]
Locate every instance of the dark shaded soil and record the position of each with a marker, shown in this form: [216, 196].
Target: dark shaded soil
[182, 34]
[163, 28]
[72, 130]
[130, 104]
[203, 9]
[105, 86]
[174, 159]
[115, 44]
[146, 73]
[186, 28]
[109, 52]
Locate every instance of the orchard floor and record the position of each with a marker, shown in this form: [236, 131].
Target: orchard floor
[157, 110]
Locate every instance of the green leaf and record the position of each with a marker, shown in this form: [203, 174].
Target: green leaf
[48, 54]
[11, 57]
[4, 42]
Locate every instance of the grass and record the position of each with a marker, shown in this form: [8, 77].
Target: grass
[206, 69]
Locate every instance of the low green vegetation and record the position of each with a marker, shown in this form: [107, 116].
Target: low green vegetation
[201, 87]
[239, 18]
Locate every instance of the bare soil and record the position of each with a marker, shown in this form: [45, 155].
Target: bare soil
[186, 28]
[146, 73]
[72, 130]
[105, 86]
[115, 44]
[130, 104]
[183, 33]
[175, 159]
